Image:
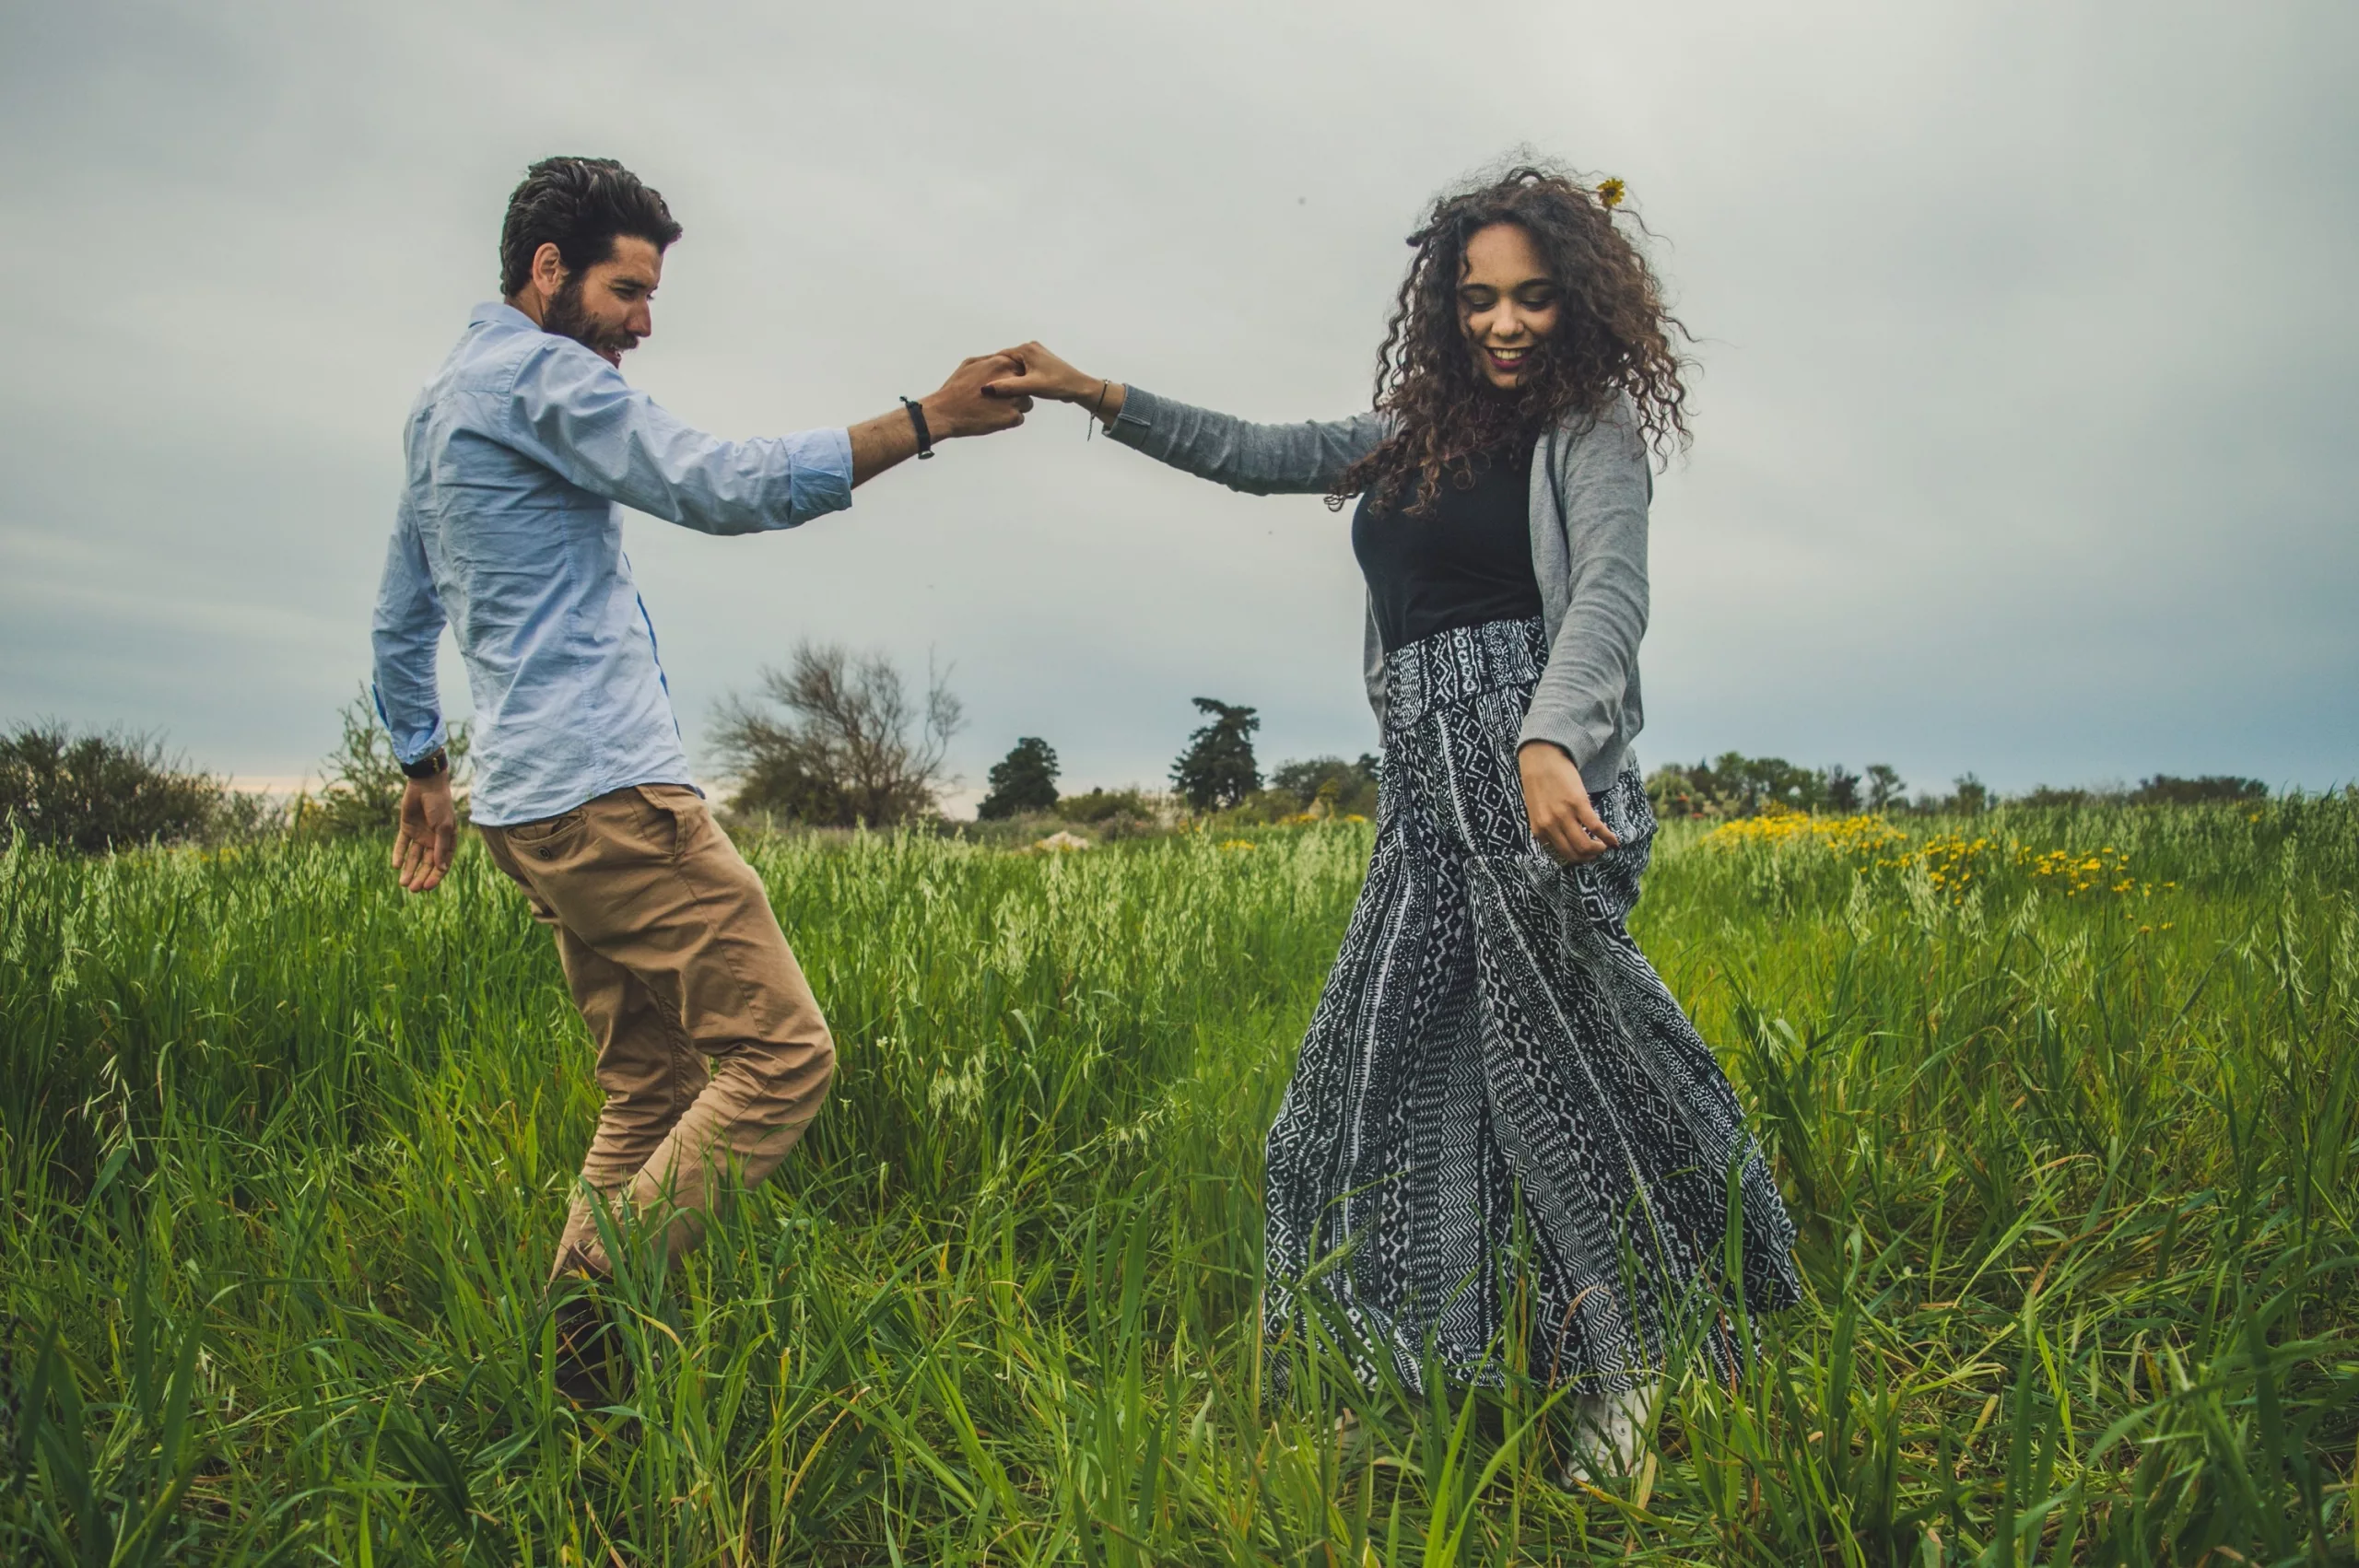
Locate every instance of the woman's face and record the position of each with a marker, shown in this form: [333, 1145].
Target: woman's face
[1506, 303]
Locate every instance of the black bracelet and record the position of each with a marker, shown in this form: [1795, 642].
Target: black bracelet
[917, 418]
[434, 764]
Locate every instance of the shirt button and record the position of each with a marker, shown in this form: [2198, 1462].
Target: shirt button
[545, 853]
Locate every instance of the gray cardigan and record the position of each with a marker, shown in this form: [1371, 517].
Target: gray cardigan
[1590, 553]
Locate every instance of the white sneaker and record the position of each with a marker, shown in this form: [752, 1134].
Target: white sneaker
[1610, 1433]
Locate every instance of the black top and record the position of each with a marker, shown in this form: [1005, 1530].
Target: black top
[1466, 562]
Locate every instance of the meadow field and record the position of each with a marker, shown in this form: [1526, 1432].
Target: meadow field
[2066, 1103]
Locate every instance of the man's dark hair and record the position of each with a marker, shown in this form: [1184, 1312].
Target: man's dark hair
[579, 205]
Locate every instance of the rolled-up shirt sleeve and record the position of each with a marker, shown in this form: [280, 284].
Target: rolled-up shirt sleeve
[574, 411]
[405, 635]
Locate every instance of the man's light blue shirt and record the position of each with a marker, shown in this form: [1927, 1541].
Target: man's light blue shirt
[521, 454]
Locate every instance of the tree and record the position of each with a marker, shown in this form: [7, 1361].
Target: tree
[1218, 769]
[1023, 780]
[837, 739]
[1842, 789]
[1885, 787]
[95, 792]
[1973, 796]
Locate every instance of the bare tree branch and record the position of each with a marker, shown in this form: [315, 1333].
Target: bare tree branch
[836, 739]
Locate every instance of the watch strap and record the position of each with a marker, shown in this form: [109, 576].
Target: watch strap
[917, 422]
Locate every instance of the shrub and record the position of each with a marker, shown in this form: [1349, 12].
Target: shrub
[364, 779]
[1673, 793]
[2048, 795]
[1347, 789]
[1104, 805]
[1263, 807]
[95, 792]
[2162, 790]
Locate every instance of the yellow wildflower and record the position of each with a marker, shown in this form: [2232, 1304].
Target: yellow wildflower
[1611, 191]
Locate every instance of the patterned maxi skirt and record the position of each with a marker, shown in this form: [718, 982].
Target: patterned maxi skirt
[1503, 1135]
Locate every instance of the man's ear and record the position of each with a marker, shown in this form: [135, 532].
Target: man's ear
[548, 269]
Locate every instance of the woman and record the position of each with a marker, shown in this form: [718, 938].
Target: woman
[1493, 1055]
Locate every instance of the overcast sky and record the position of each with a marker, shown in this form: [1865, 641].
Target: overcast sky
[2025, 435]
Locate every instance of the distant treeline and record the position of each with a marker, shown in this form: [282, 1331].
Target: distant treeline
[841, 740]
[1735, 785]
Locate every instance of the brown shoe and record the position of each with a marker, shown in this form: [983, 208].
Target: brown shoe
[588, 1368]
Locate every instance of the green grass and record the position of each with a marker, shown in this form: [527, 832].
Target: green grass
[281, 1155]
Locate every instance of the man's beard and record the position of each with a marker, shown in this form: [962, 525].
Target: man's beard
[566, 318]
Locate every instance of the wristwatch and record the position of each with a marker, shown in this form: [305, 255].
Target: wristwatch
[433, 765]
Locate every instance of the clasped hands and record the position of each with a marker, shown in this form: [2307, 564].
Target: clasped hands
[994, 392]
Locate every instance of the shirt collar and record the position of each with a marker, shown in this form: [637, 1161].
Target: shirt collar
[498, 312]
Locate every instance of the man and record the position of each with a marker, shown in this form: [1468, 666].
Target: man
[521, 453]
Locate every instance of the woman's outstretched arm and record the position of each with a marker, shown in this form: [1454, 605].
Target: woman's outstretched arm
[1261, 459]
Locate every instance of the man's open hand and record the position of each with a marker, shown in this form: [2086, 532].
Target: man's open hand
[428, 834]
[1556, 803]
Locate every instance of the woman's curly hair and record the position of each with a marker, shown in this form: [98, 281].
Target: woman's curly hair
[1613, 337]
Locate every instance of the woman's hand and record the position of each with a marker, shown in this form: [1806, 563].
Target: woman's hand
[1556, 803]
[1042, 374]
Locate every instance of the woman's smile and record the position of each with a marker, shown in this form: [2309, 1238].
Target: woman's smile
[1507, 363]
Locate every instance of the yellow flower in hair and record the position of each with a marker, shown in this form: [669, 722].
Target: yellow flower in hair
[1609, 192]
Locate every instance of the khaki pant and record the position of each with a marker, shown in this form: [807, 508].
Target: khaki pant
[711, 1047]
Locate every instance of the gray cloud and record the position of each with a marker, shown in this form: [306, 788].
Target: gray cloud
[2028, 349]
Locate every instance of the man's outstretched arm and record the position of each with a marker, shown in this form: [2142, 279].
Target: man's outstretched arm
[573, 411]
